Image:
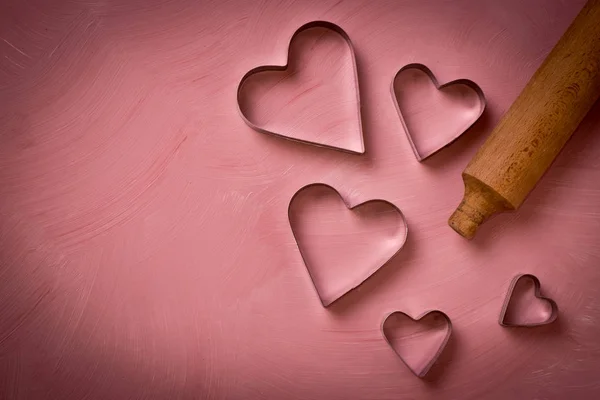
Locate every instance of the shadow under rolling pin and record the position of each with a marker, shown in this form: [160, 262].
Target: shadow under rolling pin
[535, 128]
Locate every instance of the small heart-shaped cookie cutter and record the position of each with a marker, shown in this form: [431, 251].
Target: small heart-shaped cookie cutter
[537, 292]
[425, 369]
[374, 270]
[420, 157]
[263, 68]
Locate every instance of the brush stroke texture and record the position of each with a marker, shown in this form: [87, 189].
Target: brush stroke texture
[145, 248]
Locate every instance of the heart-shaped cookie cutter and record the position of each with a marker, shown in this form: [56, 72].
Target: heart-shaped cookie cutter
[482, 101]
[349, 207]
[537, 293]
[421, 372]
[263, 68]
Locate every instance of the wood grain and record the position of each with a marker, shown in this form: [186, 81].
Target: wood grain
[536, 127]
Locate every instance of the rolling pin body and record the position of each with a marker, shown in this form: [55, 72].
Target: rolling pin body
[536, 127]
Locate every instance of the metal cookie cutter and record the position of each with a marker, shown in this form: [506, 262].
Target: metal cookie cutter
[455, 135]
[437, 316]
[504, 321]
[314, 24]
[328, 298]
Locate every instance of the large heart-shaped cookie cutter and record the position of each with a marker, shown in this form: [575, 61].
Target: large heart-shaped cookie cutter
[372, 271]
[263, 68]
[455, 135]
[421, 372]
[537, 293]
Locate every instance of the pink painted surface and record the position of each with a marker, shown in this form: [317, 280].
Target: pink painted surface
[145, 245]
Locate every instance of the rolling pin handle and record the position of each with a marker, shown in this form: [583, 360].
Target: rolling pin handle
[479, 203]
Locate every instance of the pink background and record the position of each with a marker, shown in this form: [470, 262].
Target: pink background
[145, 247]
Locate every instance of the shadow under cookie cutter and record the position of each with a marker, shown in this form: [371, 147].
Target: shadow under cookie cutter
[466, 82]
[372, 271]
[537, 293]
[314, 24]
[421, 372]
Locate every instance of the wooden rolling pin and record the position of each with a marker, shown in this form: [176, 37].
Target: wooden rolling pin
[535, 128]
